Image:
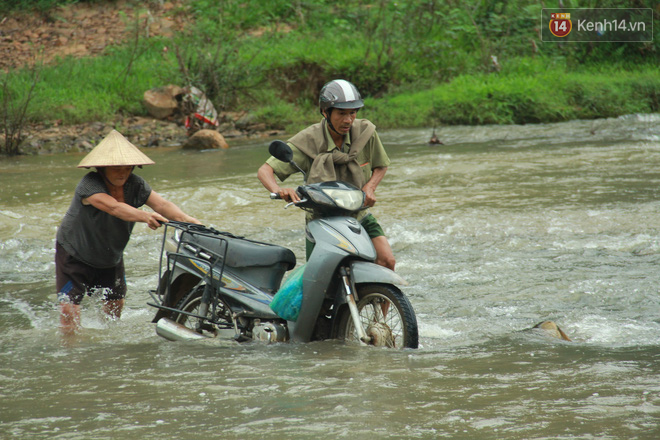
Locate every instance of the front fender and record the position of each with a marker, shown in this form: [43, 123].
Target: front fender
[367, 272]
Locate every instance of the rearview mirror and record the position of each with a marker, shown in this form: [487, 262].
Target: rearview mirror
[280, 150]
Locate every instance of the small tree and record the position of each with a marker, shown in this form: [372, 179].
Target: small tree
[13, 112]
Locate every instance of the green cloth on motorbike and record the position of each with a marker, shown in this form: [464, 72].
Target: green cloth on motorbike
[288, 299]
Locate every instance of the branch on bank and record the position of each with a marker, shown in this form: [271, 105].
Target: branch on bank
[13, 112]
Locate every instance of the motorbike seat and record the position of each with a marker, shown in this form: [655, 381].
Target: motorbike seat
[261, 264]
[246, 253]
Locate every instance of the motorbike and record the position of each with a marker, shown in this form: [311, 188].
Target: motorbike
[214, 284]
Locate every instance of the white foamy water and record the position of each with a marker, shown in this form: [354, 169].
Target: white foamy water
[495, 231]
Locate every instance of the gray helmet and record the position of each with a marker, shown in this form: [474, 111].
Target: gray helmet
[340, 93]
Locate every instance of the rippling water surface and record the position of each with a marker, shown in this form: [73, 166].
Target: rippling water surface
[498, 229]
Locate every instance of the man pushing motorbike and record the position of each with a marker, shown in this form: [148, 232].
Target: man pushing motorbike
[340, 147]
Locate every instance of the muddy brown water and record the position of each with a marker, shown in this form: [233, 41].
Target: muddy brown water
[498, 229]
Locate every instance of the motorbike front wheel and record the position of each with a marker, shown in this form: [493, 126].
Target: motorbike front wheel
[192, 303]
[386, 315]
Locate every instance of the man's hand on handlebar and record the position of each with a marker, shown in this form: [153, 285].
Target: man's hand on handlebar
[288, 194]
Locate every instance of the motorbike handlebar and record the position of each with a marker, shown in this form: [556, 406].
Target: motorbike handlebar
[276, 196]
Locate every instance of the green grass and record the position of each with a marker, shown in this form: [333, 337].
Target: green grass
[88, 89]
[534, 91]
[416, 63]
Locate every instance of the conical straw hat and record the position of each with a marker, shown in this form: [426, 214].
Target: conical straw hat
[115, 150]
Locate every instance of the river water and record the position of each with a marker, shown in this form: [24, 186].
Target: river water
[500, 228]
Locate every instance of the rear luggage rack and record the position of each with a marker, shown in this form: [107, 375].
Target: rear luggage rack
[213, 258]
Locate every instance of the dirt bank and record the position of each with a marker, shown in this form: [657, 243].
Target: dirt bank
[141, 131]
[82, 29]
[86, 29]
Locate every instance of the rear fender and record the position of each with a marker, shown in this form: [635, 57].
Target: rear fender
[178, 288]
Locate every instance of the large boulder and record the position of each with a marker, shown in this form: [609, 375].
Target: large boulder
[161, 102]
[206, 140]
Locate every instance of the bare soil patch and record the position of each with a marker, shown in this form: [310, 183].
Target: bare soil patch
[86, 29]
[82, 29]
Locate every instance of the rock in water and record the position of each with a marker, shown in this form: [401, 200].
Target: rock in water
[551, 329]
[206, 140]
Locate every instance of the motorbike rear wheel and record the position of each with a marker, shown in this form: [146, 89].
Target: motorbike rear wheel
[191, 303]
[386, 315]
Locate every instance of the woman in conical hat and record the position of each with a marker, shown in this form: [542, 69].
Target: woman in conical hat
[98, 224]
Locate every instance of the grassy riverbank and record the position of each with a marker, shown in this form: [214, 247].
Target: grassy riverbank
[417, 63]
[529, 91]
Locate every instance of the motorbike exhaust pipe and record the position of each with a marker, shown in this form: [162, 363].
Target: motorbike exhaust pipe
[174, 331]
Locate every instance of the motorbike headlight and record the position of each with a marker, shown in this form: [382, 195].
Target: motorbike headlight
[320, 197]
[349, 200]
